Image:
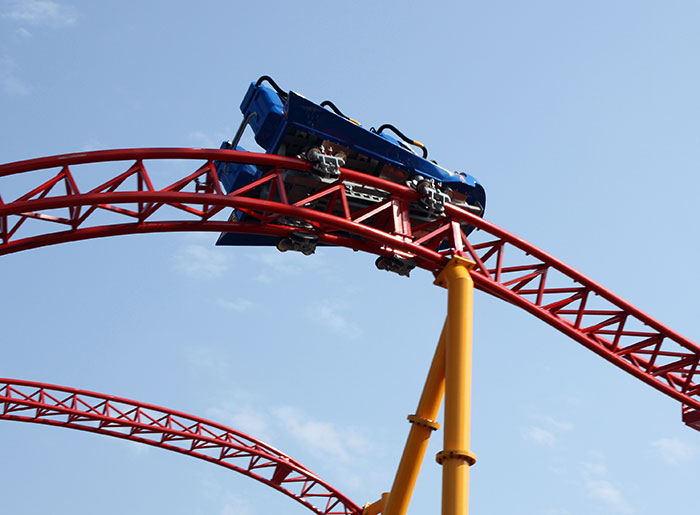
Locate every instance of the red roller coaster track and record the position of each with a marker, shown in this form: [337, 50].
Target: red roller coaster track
[54, 206]
[38, 403]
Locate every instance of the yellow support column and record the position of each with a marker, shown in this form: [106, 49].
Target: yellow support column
[422, 425]
[456, 457]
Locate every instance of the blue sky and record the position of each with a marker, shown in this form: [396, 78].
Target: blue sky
[580, 119]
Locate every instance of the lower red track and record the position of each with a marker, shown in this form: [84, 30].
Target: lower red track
[38, 403]
[52, 205]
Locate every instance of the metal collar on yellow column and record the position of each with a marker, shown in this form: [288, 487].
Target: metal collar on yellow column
[422, 421]
[467, 456]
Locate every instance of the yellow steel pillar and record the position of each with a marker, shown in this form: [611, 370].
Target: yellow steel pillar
[456, 457]
[422, 424]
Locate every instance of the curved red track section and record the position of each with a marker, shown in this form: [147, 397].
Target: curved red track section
[39, 403]
[56, 208]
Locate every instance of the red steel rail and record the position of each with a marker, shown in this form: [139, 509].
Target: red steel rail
[39, 403]
[56, 210]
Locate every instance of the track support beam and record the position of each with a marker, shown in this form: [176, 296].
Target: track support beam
[449, 375]
[456, 458]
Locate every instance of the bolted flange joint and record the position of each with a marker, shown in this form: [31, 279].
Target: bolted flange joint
[467, 456]
[422, 421]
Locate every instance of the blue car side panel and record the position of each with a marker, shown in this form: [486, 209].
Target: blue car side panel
[234, 175]
[269, 122]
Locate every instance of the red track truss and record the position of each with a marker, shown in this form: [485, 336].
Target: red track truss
[39, 403]
[56, 209]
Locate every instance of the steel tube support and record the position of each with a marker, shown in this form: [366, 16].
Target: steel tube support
[456, 457]
[422, 425]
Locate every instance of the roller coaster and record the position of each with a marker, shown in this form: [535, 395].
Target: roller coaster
[62, 201]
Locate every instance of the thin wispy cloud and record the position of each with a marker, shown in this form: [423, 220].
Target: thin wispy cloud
[674, 451]
[237, 305]
[206, 359]
[229, 503]
[558, 425]
[348, 448]
[599, 488]
[333, 318]
[604, 491]
[138, 449]
[323, 439]
[332, 315]
[94, 144]
[276, 265]
[235, 505]
[41, 13]
[14, 86]
[547, 432]
[244, 418]
[11, 84]
[200, 262]
[319, 437]
[540, 436]
[594, 469]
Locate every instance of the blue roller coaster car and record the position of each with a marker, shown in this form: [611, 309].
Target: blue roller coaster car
[287, 124]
